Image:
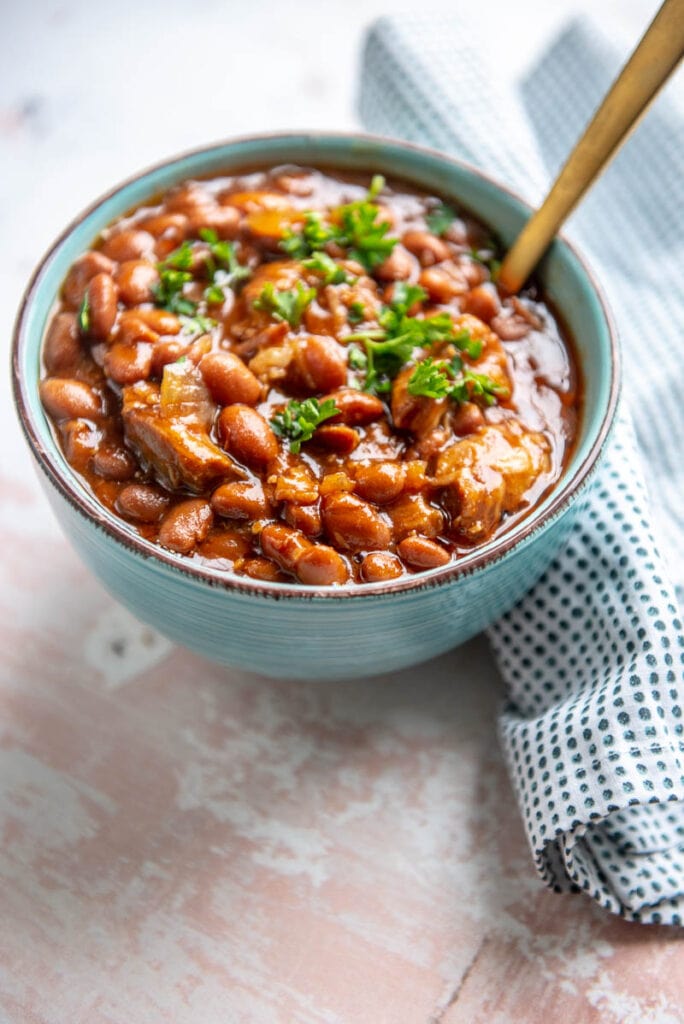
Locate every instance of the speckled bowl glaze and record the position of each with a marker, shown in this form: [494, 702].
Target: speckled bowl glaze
[299, 631]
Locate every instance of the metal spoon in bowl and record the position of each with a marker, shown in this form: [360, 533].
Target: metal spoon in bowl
[655, 58]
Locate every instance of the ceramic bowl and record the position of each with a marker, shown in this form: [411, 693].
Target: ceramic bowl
[301, 631]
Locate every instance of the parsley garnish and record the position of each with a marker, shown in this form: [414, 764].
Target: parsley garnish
[357, 358]
[397, 335]
[354, 227]
[312, 238]
[197, 324]
[285, 305]
[299, 420]
[84, 315]
[356, 313]
[440, 379]
[223, 267]
[173, 276]
[440, 219]
[331, 272]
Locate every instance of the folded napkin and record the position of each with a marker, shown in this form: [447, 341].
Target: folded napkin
[593, 657]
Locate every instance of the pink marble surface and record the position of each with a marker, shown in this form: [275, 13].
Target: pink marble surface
[185, 843]
[182, 844]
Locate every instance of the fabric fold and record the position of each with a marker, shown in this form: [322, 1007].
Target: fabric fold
[593, 657]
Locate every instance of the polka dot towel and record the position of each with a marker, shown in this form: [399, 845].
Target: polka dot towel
[593, 657]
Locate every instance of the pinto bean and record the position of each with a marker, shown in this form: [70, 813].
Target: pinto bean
[510, 328]
[411, 513]
[136, 279]
[422, 553]
[83, 270]
[399, 265]
[443, 283]
[380, 482]
[353, 524]
[114, 462]
[225, 546]
[229, 380]
[160, 320]
[130, 244]
[381, 565]
[483, 302]
[62, 348]
[142, 502]
[246, 435]
[126, 364]
[322, 566]
[185, 525]
[241, 501]
[66, 399]
[467, 418]
[337, 437]
[427, 247]
[79, 440]
[103, 296]
[283, 545]
[319, 364]
[263, 569]
[190, 198]
[306, 518]
[165, 351]
[356, 408]
[224, 220]
[133, 327]
[171, 226]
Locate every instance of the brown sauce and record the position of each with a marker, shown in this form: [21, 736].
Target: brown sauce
[287, 376]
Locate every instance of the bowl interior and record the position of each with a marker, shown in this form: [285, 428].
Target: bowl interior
[564, 276]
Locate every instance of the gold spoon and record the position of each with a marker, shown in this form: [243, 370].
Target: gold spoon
[649, 67]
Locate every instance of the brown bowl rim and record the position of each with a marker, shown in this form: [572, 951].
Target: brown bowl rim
[465, 566]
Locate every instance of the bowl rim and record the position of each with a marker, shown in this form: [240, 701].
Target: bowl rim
[98, 515]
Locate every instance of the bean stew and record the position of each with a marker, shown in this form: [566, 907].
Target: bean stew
[295, 374]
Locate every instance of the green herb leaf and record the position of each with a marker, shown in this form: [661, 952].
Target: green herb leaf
[429, 380]
[179, 259]
[360, 233]
[356, 358]
[223, 267]
[330, 271]
[406, 295]
[356, 313]
[313, 237]
[432, 379]
[197, 324]
[376, 186]
[168, 293]
[84, 315]
[440, 219]
[299, 420]
[285, 305]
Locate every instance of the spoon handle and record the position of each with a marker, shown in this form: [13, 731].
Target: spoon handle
[649, 67]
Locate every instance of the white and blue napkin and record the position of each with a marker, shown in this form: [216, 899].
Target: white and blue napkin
[593, 657]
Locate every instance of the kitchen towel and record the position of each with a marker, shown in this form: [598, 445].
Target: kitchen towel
[593, 656]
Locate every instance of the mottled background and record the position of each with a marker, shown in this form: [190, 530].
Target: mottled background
[181, 843]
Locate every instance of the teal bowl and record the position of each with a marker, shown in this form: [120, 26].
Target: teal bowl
[307, 632]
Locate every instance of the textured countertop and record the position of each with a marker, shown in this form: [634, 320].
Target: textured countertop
[183, 843]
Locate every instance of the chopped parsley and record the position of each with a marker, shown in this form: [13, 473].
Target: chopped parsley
[356, 313]
[298, 420]
[313, 237]
[353, 226]
[330, 271]
[440, 219]
[440, 379]
[392, 344]
[174, 274]
[84, 315]
[285, 305]
[223, 267]
[197, 324]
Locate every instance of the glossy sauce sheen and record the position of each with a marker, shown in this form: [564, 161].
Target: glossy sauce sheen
[173, 421]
